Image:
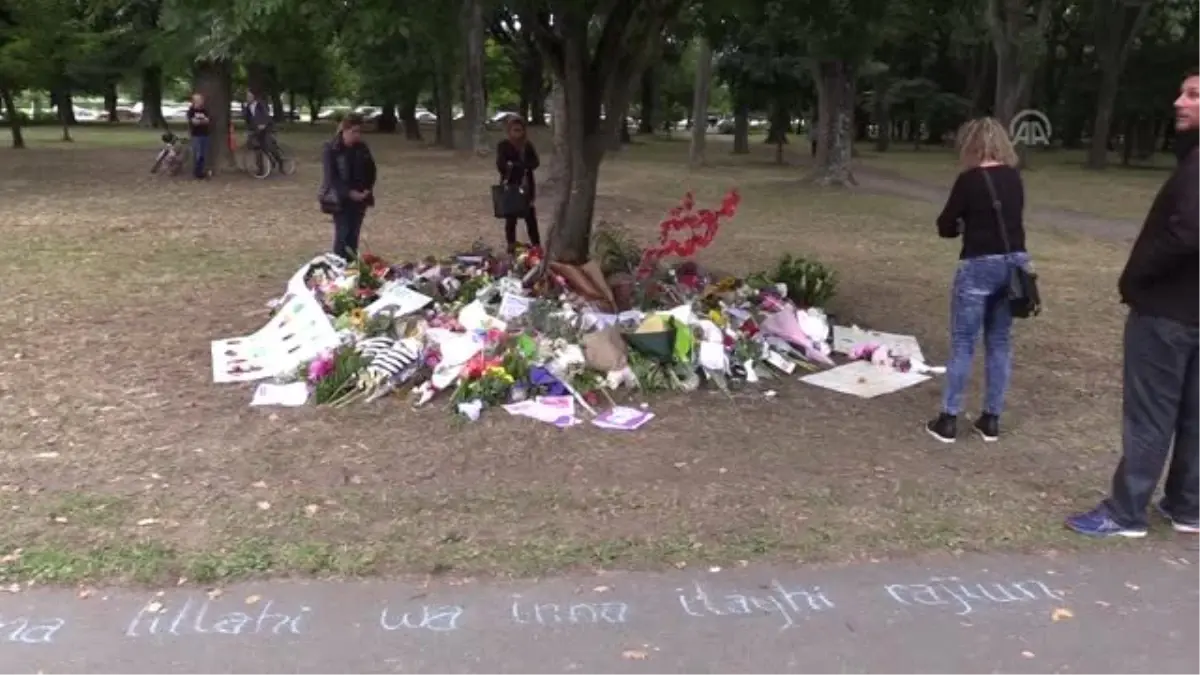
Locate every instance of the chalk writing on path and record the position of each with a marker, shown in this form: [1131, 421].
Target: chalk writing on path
[964, 597]
[553, 614]
[787, 604]
[436, 618]
[193, 619]
[28, 631]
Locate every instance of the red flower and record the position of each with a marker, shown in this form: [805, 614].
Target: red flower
[494, 336]
[591, 398]
[749, 328]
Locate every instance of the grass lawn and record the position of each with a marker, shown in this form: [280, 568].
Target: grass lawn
[1055, 179]
[120, 460]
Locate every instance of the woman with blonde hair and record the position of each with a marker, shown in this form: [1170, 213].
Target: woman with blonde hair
[985, 208]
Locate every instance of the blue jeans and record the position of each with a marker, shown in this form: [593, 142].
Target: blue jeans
[199, 155]
[979, 301]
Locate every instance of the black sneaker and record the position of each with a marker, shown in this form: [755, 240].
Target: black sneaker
[988, 427]
[1178, 524]
[944, 428]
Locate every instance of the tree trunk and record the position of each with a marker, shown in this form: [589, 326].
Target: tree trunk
[620, 137]
[1115, 31]
[386, 122]
[443, 101]
[1009, 26]
[152, 114]
[1127, 146]
[314, 109]
[292, 106]
[408, 115]
[835, 142]
[474, 109]
[13, 118]
[110, 102]
[214, 79]
[883, 114]
[533, 93]
[558, 171]
[537, 107]
[649, 101]
[703, 84]
[277, 111]
[741, 129]
[64, 117]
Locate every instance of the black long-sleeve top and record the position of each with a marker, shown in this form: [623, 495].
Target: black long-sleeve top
[1162, 276]
[349, 167]
[969, 212]
[524, 161]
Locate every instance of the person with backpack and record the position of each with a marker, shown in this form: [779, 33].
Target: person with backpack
[348, 185]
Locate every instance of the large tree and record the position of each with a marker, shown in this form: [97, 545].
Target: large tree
[595, 50]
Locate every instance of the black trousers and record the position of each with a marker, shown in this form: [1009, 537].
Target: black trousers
[531, 228]
[347, 225]
[1161, 401]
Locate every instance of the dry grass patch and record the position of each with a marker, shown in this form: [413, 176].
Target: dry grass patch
[121, 460]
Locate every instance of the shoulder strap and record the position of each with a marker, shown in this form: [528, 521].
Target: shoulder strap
[996, 206]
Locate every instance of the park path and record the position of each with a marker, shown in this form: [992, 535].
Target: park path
[1132, 611]
[882, 181]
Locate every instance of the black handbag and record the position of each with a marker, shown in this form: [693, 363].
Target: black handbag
[329, 200]
[509, 200]
[1023, 297]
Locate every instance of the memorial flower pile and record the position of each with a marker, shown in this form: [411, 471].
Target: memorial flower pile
[479, 331]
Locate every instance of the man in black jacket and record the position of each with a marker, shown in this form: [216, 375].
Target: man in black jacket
[1161, 285]
[258, 122]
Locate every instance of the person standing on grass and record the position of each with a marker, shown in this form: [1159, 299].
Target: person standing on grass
[979, 294]
[1161, 286]
[516, 160]
[349, 180]
[258, 123]
[198, 123]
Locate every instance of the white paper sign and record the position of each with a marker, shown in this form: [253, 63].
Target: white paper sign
[512, 306]
[864, 379]
[292, 395]
[398, 300]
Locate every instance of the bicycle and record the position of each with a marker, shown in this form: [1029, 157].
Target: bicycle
[174, 154]
[260, 161]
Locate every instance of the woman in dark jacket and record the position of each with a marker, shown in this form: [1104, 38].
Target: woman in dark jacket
[516, 160]
[992, 245]
[348, 188]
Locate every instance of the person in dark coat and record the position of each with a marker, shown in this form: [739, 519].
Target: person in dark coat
[1161, 408]
[348, 186]
[258, 121]
[516, 160]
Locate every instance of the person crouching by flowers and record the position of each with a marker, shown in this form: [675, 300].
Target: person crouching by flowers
[978, 296]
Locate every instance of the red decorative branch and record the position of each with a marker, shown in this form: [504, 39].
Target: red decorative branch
[700, 228]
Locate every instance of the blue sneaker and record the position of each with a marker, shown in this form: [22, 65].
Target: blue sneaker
[1097, 523]
[1184, 526]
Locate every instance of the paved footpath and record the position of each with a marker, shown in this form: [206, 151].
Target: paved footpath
[1104, 612]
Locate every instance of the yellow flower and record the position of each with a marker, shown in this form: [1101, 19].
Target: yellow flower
[499, 373]
[358, 317]
[717, 317]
